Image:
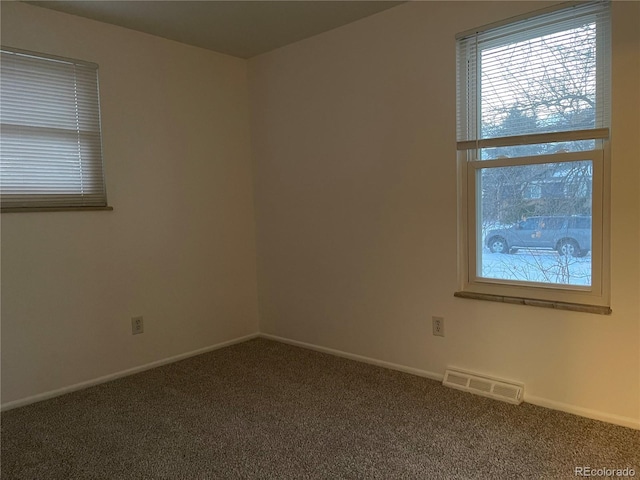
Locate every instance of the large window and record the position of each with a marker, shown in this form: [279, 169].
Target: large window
[533, 130]
[50, 142]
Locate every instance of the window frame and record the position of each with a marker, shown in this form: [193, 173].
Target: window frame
[594, 298]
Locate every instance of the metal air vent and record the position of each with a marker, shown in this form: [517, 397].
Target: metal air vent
[505, 390]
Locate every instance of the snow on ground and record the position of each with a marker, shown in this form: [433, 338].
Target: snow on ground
[544, 266]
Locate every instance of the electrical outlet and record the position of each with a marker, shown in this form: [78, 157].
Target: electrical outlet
[438, 326]
[137, 325]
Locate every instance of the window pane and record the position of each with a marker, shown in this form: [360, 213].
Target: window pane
[538, 85]
[535, 223]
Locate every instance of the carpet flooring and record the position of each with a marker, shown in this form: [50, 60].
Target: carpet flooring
[264, 410]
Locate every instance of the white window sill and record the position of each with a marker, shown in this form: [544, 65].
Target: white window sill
[576, 307]
[53, 209]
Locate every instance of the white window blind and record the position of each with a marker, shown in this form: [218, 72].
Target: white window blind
[50, 142]
[524, 82]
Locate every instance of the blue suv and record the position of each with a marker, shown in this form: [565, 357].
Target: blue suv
[568, 235]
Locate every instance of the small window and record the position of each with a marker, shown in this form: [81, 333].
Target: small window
[532, 191]
[533, 131]
[530, 224]
[554, 223]
[50, 144]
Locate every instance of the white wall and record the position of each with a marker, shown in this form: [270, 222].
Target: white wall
[179, 247]
[355, 185]
[354, 178]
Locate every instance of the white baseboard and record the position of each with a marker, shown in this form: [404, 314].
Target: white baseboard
[359, 358]
[532, 399]
[539, 401]
[124, 373]
[583, 412]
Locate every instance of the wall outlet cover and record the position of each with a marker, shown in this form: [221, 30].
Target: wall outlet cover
[137, 325]
[438, 326]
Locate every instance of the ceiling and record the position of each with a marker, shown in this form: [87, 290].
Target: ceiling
[239, 28]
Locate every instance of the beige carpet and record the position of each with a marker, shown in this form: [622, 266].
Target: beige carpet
[262, 409]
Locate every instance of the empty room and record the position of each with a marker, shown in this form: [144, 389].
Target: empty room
[320, 239]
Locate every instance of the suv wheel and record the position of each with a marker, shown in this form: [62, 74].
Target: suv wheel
[569, 247]
[498, 245]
